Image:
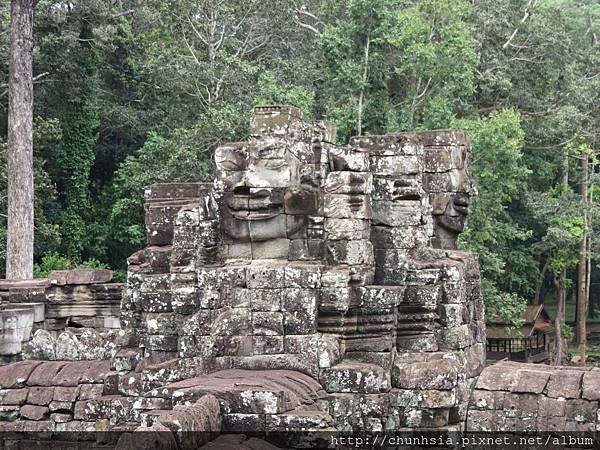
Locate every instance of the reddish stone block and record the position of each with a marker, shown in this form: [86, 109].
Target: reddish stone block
[66, 394]
[16, 374]
[591, 385]
[32, 412]
[82, 372]
[14, 396]
[44, 374]
[90, 391]
[80, 276]
[41, 396]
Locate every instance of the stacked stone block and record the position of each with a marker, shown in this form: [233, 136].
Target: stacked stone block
[514, 397]
[447, 182]
[66, 299]
[52, 397]
[400, 221]
[306, 270]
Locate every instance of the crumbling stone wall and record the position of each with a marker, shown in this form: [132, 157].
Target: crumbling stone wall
[315, 258]
[310, 287]
[61, 310]
[517, 397]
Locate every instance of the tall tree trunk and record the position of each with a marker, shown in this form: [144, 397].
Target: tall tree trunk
[590, 201]
[538, 286]
[361, 96]
[19, 253]
[559, 344]
[582, 310]
[561, 292]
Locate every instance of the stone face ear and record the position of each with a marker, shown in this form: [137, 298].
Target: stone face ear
[301, 200]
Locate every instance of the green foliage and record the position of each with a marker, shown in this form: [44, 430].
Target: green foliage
[54, 261]
[50, 262]
[270, 91]
[494, 229]
[567, 332]
[502, 307]
[143, 92]
[45, 133]
[159, 160]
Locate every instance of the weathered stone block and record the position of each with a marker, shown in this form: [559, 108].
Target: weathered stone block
[32, 412]
[396, 164]
[452, 315]
[165, 343]
[342, 206]
[306, 250]
[301, 200]
[347, 182]
[266, 299]
[14, 396]
[531, 381]
[185, 299]
[66, 394]
[434, 374]
[405, 237]
[426, 297]
[350, 252]
[267, 323]
[40, 396]
[451, 181]
[399, 213]
[591, 385]
[196, 325]
[349, 159]
[335, 277]
[337, 299]
[350, 376]
[260, 231]
[565, 383]
[455, 338]
[164, 323]
[265, 277]
[80, 276]
[302, 276]
[240, 251]
[60, 406]
[267, 345]
[346, 229]
[239, 423]
[230, 321]
[379, 298]
[272, 249]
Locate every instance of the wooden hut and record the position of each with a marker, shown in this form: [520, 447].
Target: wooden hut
[529, 343]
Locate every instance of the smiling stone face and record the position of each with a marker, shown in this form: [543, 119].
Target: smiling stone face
[268, 188]
[448, 182]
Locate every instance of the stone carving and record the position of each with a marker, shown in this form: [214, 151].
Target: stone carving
[309, 257]
[310, 287]
[448, 183]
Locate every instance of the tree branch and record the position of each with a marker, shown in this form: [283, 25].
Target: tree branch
[528, 8]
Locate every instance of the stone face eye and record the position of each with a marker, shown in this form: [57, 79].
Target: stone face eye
[275, 164]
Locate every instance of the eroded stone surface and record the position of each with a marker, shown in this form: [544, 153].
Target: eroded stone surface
[299, 291]
[520, 397]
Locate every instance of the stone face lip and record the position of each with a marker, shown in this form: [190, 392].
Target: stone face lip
[80, 276]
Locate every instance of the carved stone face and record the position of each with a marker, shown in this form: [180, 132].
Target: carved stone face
[265, 185]
[450, 186]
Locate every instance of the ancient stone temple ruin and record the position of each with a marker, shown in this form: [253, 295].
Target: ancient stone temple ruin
[311, 287]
